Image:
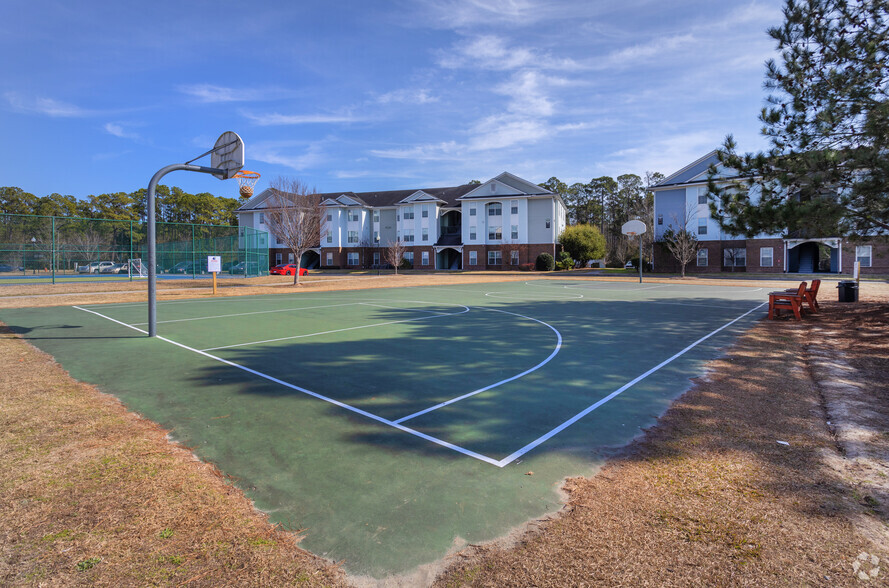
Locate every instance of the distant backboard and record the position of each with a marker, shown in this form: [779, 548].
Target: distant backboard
[633, 227]
[228, 155]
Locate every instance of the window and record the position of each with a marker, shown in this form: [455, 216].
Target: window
[353, 236]
[329, 217]
[660, 219]
[547, 223]
[494, 258]
[329, 259]
[376, 236]
[425, 258]
[262, 218]
[472, 234]
[472, 210]
[289, 258]
[278, 259]
[354, 215]
[398, 217]
[376, 258]
[352, 259]
[408, 213]
[734, 257]
[514, 207]
[425, 234]
[408, 236]
[766, 256]
[514, 257]
[702, 226]
[702, 195]
[329, 237]
[863, 255]
[409, 256]
[495, 233]
[473, 258]
[425, 215]
[514, 232]
[702, 258]
[376, 216]
[495, 209]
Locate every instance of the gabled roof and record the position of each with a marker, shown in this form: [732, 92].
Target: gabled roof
[506, 184]
[695, 171]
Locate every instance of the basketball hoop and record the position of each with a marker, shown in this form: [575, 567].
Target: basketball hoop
[246, 181]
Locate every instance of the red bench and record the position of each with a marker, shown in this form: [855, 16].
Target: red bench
[792, 300]
[811, 294]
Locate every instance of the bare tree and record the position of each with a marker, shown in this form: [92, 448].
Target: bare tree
[508, 248]
[682, 243]
[395, 253]
[294, 218]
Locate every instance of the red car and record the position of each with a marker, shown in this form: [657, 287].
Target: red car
[287, 269]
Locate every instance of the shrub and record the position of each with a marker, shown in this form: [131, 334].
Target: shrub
[405, 264]
[545, 263]
[565, 261]
[526, 267]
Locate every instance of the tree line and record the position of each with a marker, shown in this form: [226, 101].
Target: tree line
[173, 205]
[607, 203]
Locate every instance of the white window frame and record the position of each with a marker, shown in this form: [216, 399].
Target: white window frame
[353, 237]
[376, 258]
[472, 211]
[495, 233]
[514, 232]
[290, 257]
[329, 258]
[473, 234]
[408, 236]
[702, 195]
[763, 257]
[514, 206]
[353, 215]
[425, 235]
[514, 257]
[408, 213]
[376, 216]
[409, 256]
[262, 218]
[279, 259]
[734, 261]
[495, 257]
[352, 258]
[473, 258]
[425, 258]
[860, 257]
[330, 236]
[495, 209]
[702, 226]
[425, 212]
[703, 256]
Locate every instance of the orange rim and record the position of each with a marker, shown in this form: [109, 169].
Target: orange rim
[246, 174]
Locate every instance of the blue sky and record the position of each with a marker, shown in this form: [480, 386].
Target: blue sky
[363, 95]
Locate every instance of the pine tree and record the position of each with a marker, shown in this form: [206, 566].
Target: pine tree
[827, 171]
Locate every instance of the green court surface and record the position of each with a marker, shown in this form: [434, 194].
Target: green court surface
[398, 424]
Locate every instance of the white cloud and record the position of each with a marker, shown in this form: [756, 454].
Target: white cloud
[666, 155]
[209, 93]
[502, 131]
[528, 94]
[276, 119]
[408, 96]
[449, 150]
[46, 106]
[118, 131]
[493, 53]
[654, 49]
[463, 13]
[278, 153]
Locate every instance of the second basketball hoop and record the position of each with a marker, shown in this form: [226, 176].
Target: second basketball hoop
[246, 181]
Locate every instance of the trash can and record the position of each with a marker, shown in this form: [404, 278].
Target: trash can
[848, 291]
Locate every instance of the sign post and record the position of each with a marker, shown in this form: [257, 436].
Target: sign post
[635, 227]
[214, 266]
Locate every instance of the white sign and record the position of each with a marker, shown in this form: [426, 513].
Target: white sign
[214, 264]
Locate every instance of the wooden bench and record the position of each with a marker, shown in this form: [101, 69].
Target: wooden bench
[792, 300]
[811, 295]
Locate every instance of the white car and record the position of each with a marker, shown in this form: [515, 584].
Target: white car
[94, 267]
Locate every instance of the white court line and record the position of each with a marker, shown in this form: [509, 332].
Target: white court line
[364, 413]
[400, 308]
[219, 316]
[517, 454]
[501, 382]
[422, 318]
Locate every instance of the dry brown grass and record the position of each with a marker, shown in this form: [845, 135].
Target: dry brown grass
[707, 497]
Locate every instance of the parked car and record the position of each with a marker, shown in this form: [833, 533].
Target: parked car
[188, 267]
[117, 268]
[94, 267]
[287, 269]
[6, 268]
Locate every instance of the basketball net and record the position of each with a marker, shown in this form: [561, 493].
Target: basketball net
[246, 181]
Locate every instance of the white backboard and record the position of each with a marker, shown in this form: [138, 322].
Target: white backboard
[633, 227]
[228, 154]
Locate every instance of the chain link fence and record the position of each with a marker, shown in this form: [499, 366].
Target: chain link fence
[59, 247]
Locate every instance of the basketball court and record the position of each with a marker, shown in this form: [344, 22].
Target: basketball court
[397, 424]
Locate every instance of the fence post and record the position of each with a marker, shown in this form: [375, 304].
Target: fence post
[53, 254]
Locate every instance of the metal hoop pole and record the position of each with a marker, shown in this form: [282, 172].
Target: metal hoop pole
[152, 238]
